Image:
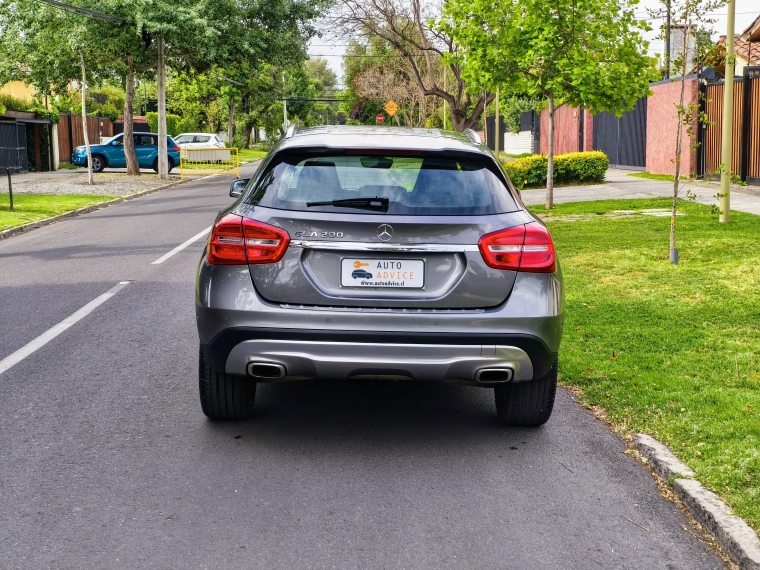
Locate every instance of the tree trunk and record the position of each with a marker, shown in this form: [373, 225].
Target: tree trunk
[163, 159]
[90, 178]
[247, 130]
[231, 121]
[679, 144]
[133, 168]
[550, 166]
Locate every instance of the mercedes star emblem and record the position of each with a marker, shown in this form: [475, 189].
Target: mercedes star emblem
[384, 232]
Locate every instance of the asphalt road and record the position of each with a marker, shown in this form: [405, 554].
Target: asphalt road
[107, 461]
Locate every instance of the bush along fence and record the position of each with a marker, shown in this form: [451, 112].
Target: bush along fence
[570, 168]
[645, 137]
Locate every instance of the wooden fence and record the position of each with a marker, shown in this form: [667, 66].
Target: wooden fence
[745, 156]
[71, 134]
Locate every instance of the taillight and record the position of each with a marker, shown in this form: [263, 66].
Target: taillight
[175, 148]
[238, 241]
[264, 243]
[521, 248]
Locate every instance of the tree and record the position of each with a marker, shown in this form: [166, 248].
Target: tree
[405, 26]
[691, 16]
[377, 73]
[579, 52]
[196, 34]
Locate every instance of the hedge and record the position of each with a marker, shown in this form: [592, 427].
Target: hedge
[530, 172]
[173, 123]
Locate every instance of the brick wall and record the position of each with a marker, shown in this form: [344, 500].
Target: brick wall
[588, 131]
[662, 123]
[566, 128]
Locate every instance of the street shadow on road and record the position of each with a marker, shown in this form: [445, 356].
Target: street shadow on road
[366, 412]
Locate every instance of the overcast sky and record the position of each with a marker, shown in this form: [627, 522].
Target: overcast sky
[746, 11]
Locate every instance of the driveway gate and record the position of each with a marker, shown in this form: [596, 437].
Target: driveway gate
[13, 146]
[624, 139]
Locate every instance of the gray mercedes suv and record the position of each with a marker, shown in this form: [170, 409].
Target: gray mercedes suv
[379, 253]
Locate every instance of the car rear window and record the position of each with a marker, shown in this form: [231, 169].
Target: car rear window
[434, 184]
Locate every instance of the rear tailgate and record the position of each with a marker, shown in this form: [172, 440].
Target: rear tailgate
[340, 261]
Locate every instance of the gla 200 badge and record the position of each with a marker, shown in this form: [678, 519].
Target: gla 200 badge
[319, 234]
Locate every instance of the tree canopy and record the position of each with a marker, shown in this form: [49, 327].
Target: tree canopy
[580, 52]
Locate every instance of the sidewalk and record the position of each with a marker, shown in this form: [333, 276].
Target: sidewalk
[620, 186]
[64, 172]
[75, 182]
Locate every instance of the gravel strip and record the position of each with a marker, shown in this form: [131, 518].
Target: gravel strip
[114, 184]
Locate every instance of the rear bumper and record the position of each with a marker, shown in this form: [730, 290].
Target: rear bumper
[340, 355]
[235, 325]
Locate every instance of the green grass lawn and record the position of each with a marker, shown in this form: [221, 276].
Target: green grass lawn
[650, 176]
[251, 154]
[32, 207]
[673, 351]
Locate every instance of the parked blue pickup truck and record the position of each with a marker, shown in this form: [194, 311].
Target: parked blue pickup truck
[111, 154]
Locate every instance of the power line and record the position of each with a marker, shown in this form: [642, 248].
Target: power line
[90, 13]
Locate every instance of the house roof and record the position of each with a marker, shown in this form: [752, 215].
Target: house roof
[749, 51]
[746, 46]
[752, 33]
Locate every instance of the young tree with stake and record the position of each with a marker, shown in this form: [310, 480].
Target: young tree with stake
[691, 17]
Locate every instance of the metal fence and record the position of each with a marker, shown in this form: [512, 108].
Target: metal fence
[13, 152]
[204, 161]
[71, 133]
[745, 158]
[623, 139]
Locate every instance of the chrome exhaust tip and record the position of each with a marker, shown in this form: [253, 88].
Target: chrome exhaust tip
[266, 370]
[493, 375]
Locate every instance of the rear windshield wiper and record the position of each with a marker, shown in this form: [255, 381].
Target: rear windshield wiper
[375, 203]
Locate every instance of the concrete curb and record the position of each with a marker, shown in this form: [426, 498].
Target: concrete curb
[661, 459]
[66, 215]
[736, 537]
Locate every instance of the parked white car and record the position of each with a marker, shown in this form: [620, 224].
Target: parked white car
[202, 147]
[198, 140]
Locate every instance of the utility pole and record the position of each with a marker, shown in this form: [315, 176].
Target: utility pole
[444, 101]
[284, 107]
[90, 179]
[496, 125]
[163, 166]
[667, 42]
[728, 113]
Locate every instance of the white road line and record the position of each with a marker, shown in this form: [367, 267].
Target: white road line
[181, 246]
[53, 332]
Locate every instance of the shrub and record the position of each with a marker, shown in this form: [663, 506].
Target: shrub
[173, 123]
[186, 126]
[530, 172]
[12, 103]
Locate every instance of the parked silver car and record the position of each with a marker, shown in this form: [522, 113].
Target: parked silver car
[358, 253]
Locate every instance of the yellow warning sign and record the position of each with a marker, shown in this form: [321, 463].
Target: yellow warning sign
[391, 107]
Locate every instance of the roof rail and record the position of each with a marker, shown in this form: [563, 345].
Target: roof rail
[291, 131]
[474, 137]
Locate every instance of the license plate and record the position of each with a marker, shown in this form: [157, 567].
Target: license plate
[385, 273]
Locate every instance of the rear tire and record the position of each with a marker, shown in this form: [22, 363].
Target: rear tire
[98, 163]
[224, 396]
[169, 165]
[527, 404]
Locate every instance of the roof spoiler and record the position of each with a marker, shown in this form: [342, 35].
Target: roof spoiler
[473, 136]
[291, 131]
